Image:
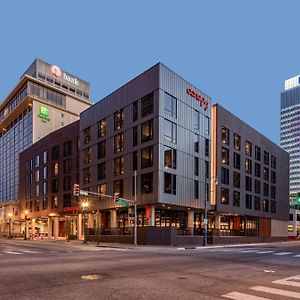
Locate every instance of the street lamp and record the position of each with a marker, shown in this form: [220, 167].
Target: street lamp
[85, 205]
[10, 225]
[26, 226]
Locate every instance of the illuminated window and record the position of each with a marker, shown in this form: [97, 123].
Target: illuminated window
[102, 128]
[102, 188]
[170, 157]
[248, 148]
[119, 166]
[237, 142]
[225, 156]
[248, 166]
[87, 135]
[225, 135]
[119, 142]
[170, 131]
[224, 196]
[119, 119]
[55, 169]
[87, 155]
[147, 131]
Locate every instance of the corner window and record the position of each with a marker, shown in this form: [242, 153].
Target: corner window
[170, 132]
[147, 105]
[170, 105]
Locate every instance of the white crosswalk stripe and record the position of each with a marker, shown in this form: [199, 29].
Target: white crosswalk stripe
[283, 253]
[249, 251]
[297, 255]
[31, 251]
[265, 252]
[13, 252]
[274, 291]
[242, 296]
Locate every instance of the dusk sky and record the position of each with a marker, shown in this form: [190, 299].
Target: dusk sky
[237, 52]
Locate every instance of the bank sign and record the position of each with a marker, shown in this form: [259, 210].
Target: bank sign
[44, 114]
[198, 97]
[57, 72]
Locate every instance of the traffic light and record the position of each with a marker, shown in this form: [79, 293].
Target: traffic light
[76, 190]
[116, 196]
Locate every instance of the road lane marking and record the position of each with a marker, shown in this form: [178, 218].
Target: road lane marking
[289, 281]
[274, 291]
[242, 296]
[282, 253]
[249, 251]
[13, 252]
[297, 255]
[265, 252]
[30, 251]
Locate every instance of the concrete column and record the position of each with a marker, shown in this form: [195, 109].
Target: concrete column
[74, 225]
[152, 216]
[33, 227]
[79, 226]
[55, 227]
[49, 228]
[217, 221]
[191, 214]
[113, 218]
[98, 219]
[90, 223]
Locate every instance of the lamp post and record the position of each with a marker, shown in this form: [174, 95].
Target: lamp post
[85, 205]
[10, 225]
[26, 226]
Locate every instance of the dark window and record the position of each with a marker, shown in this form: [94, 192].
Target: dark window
[224, 196]
[257, 186]
[197, 120]
[273, 206]
[236, 179]
[248, 166]
[291, 217]
[206, 147]
[273, 162]
[101, 171]
[266, 158]
[135, 111]
[37, 204]
[206, 125]
[119, 166]
[196, 189]
[119, 142]
[66, 166]
[55, 186]
[236, 198]
[266, 190]
[237, 142]
[87, 155]
[273, 192]
[248, 148]
[170, 157]
[225, 135]
[147, 105]
[134, 136]
[257, 169]
[147, 131]
[248, 183]
[236, 161]
[54, 202]
[147, 183]
[86, 175]
[101, 149]
[224, 175]
[170, 131]
[248, 201]
[67, 200]
[170, 183]
[170, 105]
[257, 153]
[265, 205]
[147, 157]
[45, 203]
[273, 176]
[55, 152]
[101, 128]
[196, 143]
[196, 166]
[67, 183]
[67, 148]
[118, 187]
[266, 174]
[87, 135]
[225, 156]
[206, 169]
[256, 203]
[119, 119]
[134, 160]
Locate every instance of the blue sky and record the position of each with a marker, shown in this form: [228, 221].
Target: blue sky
[238, 52]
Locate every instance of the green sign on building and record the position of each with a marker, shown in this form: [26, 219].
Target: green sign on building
[44, 113]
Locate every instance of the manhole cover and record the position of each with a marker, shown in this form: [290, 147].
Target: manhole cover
[94, 276]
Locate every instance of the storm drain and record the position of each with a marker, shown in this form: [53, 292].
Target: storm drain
[94, 276]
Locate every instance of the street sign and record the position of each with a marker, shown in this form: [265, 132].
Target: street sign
[122, 203]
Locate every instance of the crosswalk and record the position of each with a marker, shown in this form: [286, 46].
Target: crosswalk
[5, 252]
[266, 292]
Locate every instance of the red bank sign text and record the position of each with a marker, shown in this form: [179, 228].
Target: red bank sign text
[198, 97]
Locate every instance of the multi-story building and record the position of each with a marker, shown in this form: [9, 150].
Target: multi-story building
[45, 99]
[251, 197]
[157, 124]
[48, 171]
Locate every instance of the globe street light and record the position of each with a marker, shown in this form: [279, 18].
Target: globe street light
[85, 205]
[26, 225]
[10, 225]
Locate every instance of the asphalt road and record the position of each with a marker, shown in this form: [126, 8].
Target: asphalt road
[57, 270]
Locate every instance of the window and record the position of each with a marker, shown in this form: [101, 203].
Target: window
[54, 202]
[273, 192]
[170, 131]
[273, 176]
[102, 189]
[170, 183]
[248, 148]
[273, 206]
[147, 157]
[266, 174]
[147, 105]
[45, 172]
[134, 136]
[196, 166]
[257, 169]
[118, 187]
[37, 175]
[87, 155]
[225, 156]
[197, 120]
[134, 160]
[55, 185]
[206, 150]
[257, 186]
[224, 175]
[236, 198]
[67, 166]
[266, 190]
[273, 162]
[256, 203]
[67, 148]
[225, 135]
[135, 111]
[86, 175]
[248, 166]
[119, 166]
[206, 169]
[147, 131]
[236, 160]
[119, 142]
[101, 149]
[224, 196]
[248, 201]
[237, 142]
[37, 191]
[147, 183]
[45, 203]
[206, 125]
[101, 169]
[37, 161]
[196, 189]
[119, 119]
[55, 152]
[170, 105]
[37, 204]
[170, 157]
[87, 135]
[101, 128]
[266, 205]
[236, 180]
[248, 183]
[67, 200]
[55, 169]
[257, 153]
[45, 157]
[67, 183]
[266, 158]
[196, 143]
